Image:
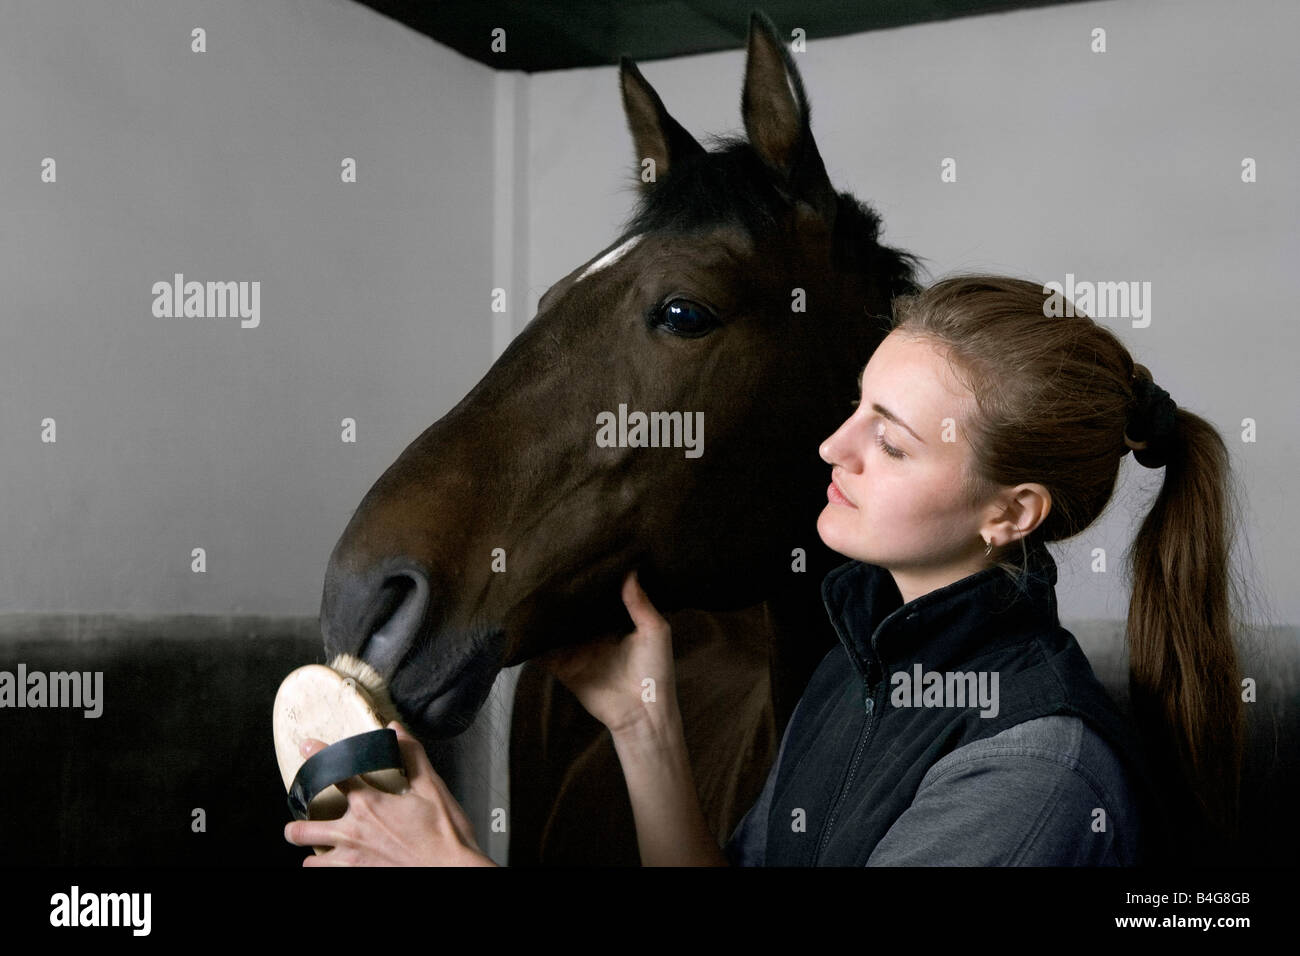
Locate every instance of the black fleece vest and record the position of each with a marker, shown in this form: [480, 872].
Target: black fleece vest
[854, 761]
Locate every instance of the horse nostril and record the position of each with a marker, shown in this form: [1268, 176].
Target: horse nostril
[403, 601]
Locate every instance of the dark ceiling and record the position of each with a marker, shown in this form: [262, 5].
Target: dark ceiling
[563, 34]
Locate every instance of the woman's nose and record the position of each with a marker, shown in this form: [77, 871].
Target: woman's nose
[830, 448]
[827, 450]
[839, 448]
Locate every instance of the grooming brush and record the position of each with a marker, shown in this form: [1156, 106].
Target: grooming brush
[347, 706]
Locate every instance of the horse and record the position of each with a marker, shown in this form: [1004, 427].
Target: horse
[743, 296]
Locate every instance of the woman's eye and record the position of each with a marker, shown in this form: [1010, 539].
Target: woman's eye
[889, 450]
[686, 318]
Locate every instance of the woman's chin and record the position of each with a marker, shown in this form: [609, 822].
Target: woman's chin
[833, 533]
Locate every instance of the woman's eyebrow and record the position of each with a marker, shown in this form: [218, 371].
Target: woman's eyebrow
[882, 410]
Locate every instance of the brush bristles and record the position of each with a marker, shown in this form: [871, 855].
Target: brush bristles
[370, 681]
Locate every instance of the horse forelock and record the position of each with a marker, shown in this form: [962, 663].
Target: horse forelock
[731, 186]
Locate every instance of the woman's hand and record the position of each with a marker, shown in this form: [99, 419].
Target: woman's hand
[609, 677]
[423, 826]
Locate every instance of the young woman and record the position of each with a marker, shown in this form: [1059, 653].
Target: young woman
[956, 722]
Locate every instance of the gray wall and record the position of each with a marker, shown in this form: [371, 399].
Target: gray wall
[176, 433]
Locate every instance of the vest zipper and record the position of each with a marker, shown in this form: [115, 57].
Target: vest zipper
[869, 704]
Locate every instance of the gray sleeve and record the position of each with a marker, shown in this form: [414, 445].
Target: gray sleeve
[748, 843]
[1019, 798]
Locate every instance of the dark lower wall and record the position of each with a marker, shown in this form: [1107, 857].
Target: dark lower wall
[186, 724]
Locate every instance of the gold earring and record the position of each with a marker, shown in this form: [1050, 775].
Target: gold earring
[988, 547]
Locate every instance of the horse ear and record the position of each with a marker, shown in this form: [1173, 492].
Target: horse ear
[778, 118]
[655, 134]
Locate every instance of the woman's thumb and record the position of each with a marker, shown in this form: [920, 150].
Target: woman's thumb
[638, 604]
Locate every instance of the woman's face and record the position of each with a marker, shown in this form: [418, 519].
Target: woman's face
[903, 512]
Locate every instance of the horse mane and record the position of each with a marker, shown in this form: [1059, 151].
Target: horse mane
[731, 185]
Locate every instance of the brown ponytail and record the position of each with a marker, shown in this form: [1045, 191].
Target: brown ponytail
[1184, 680]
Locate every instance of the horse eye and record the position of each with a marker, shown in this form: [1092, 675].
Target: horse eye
[686, 318]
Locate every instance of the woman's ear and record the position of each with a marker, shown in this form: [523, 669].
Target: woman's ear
[1029, 505]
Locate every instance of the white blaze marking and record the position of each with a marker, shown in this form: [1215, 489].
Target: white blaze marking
[609, 258]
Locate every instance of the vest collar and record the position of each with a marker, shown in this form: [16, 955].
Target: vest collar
[941, 629]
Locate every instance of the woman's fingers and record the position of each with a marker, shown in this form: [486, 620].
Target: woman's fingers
[310, 746]
[643, 613]
[313, 833]
[414, 759]
[379, 827]
[323, 859]
[423, 777]
[419, 772]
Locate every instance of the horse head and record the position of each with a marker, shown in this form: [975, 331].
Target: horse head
[662, 412]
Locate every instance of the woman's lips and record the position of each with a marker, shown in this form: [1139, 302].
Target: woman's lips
[836, 497]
